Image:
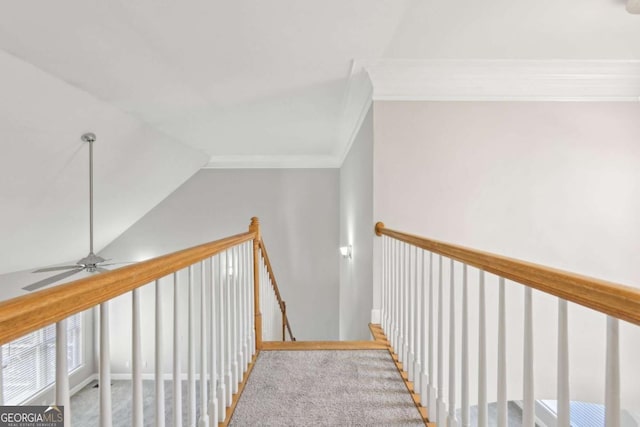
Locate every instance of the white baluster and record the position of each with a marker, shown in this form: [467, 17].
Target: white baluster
[228, 376]
[212, 407]
[387, 286]
[464, 352]
[244, 360]
[409, 365]
[502, 359]
[564, 409]
[249, 300]
[383, 286]
[612, 379]
[252, 307]
[233, 282]
[177, 378]
[159, 415]
[401, 292]
[62, 371]
[426, 332]
[405, 307]
[441, 412]
[431, 376]
[393, 285]
[136, 360]
[222, 390]
[482, 357]
[418, 321]
[105, 367]
[528, 404]
[397, 300]
[452, 421]
[191, 356]
[262, 299]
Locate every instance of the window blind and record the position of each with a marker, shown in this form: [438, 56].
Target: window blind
[29, 363]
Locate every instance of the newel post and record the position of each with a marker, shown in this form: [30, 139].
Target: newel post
[255, 228]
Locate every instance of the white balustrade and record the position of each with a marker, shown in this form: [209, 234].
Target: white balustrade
[419, 317]
[218, 325]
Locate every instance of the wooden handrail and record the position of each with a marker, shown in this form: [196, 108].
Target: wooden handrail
[622, 302]
[274, 285]
[28, 313]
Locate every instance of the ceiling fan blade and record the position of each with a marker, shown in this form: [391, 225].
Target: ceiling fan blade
[49, 280]
[60, 267]
[102, 270]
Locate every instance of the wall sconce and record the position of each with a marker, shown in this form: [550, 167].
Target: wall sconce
[346, 251]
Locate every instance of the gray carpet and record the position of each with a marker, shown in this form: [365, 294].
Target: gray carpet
[325, 388]
[85, 405]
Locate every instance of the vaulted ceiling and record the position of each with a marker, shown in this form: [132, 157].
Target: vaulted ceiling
[170, 87]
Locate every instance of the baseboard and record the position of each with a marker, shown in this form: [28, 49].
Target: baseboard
[375, 316]
[83, 384]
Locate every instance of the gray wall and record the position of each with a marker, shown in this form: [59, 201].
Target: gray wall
[298, 211]
[356, 229]
[552, 183]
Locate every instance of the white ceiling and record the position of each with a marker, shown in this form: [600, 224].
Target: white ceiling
[228, 78]
[171, 86]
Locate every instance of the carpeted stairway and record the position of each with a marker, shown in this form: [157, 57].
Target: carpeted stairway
[325, 388]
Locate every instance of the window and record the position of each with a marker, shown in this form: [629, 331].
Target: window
[29, 363]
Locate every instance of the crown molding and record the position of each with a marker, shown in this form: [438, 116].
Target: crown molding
[273, 162]
[505, 80]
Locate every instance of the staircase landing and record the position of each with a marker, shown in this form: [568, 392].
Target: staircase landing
[325, 387]
[327, 383]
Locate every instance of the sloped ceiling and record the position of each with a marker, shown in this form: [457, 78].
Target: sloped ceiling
[44, 168]
[171, 86]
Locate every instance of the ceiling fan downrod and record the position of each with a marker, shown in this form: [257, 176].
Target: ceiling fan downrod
[91, 260]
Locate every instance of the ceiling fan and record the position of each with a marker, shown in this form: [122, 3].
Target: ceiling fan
[92, 263]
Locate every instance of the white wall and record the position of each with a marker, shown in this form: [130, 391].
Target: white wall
[298, 211]
[356, 229]
[552, 183]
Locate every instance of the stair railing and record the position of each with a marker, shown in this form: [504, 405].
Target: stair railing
[417, 322]
[272, 304]
[221, 281]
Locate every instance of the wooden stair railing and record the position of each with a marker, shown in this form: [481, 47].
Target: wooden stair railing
[414, 318]
[224, 275]
[274, 285]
